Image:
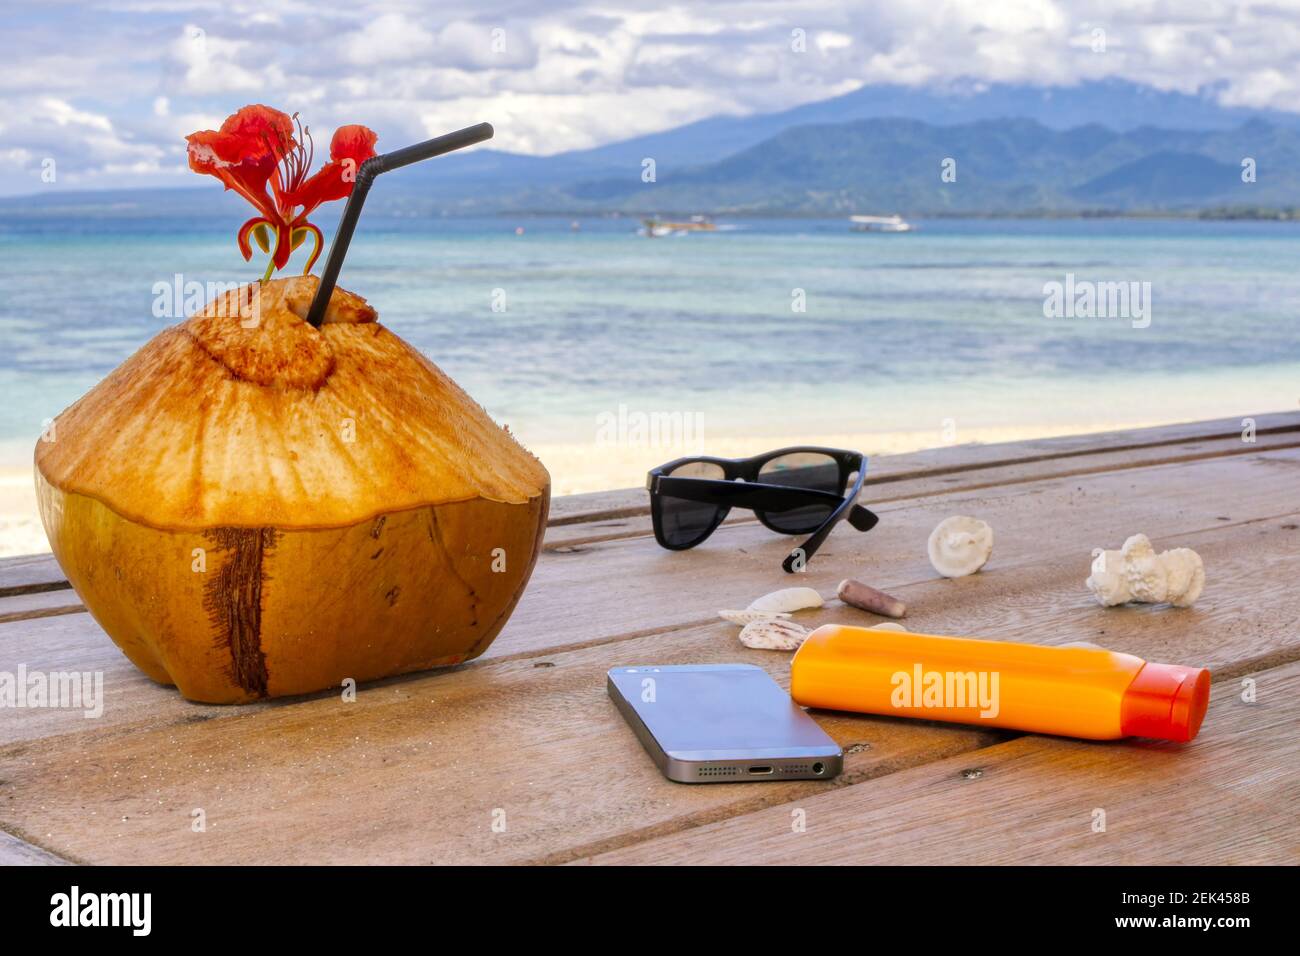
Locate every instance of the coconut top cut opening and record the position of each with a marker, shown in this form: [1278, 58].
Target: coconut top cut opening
[271, 343]
[245, 415]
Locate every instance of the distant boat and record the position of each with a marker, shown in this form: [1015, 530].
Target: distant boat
[879, 224]
[656, 228]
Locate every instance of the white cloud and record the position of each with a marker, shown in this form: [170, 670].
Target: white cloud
[827, 40]
[85, 147]
[62, 113]
[391, 38]
[1263, 87]
[114, 89]
[539, 124]
[214, 64]
[395, 39]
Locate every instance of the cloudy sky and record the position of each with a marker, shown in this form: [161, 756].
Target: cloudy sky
[107, 90]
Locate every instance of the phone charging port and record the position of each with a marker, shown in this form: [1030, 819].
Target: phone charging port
[760, 770]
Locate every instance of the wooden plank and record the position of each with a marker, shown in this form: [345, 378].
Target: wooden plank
[604, 515]
[571, 538]
[415, 769]
[30, 573]
[953, 459]
[1255, 472]
[602, 596]
[606, 591]
[1232, 796]
[412, 772]
[22, 607]
[888, 490]
[932, 462]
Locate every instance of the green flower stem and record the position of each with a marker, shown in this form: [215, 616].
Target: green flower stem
[270, 265]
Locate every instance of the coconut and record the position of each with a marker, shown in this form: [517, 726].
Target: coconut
[254, 507]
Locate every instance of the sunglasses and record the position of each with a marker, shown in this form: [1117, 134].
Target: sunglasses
[791, 490]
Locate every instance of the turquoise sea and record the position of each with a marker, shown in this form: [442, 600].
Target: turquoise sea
[899, 332]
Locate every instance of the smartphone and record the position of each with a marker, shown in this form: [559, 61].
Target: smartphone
[721, 723]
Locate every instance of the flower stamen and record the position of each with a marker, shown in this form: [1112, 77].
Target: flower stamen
[259, 147]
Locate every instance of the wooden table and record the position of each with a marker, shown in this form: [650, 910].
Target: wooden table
[520, 757]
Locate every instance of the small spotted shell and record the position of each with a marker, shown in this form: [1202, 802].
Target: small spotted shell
[773, 635]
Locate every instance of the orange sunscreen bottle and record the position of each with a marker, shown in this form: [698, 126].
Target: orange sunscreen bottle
[1071, 691]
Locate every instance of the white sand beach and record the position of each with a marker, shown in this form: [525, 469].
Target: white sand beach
[20, 525]
[579, 468]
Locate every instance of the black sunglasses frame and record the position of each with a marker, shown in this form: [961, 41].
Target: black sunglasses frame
[741, 488]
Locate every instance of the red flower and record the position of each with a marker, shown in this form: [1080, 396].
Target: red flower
[259, 146]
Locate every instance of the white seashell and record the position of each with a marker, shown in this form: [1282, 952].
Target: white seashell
[888, 626]
[775, 635]
[960, 546]
[749, 616]
[1136, 573]
[788, 599]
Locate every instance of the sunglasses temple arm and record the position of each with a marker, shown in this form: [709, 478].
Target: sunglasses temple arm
[798, 558]
[861, 518]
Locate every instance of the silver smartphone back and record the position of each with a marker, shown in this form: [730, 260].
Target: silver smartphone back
[721, 723]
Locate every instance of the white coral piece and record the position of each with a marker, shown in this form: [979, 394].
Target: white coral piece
[959, 546]
[1137, 573]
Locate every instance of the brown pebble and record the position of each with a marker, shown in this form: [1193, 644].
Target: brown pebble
[859, 595]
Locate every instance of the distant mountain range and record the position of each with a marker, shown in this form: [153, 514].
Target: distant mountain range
[1105, 147]
[1008, 166]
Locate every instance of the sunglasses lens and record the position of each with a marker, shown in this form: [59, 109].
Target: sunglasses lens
[682, 522]
[803, 469]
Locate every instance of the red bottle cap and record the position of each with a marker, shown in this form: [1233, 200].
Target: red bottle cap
[1165, 701]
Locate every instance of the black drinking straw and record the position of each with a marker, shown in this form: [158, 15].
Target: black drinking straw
[365, 176]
